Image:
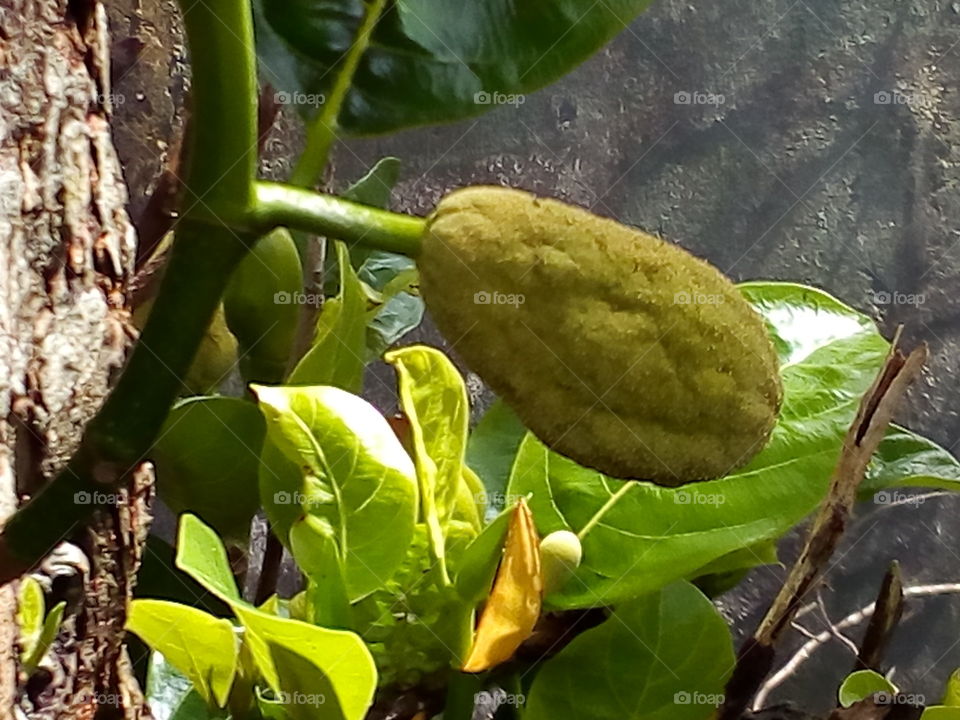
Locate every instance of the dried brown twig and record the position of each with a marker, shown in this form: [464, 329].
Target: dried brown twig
[756, 657]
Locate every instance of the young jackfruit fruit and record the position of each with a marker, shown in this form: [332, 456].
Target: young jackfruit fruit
[621, 351]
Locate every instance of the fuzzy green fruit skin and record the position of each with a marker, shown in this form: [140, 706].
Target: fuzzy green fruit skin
[560, 556]
[598, 353]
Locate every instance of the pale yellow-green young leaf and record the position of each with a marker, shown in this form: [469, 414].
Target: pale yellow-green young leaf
[434, 399]
[30, 611]
[317, 673]
[952, 694]
[336, 356]
[202, 647]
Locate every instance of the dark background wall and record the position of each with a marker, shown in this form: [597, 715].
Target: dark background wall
[821, 145]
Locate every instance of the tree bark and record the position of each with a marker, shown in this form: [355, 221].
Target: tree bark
[66, 255]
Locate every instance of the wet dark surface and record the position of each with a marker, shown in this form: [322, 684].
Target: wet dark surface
[832, 159]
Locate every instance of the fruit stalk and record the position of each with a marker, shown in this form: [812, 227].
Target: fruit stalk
[278, 204]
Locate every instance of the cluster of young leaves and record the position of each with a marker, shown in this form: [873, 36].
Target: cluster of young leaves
[286, 668]
[387, 524]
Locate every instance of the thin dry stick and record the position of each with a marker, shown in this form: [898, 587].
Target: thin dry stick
[852, 620]
[756, 657]
[886, 617]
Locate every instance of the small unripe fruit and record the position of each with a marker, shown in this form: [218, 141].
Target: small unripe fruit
[215, 358]
[560, 556]
[259, 308]
[623, 352]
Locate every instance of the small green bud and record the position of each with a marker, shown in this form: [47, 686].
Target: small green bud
[560, 555]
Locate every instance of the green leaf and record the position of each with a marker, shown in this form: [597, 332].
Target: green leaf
[861, 684]
[201, 646]
[316, 673]
[951, 696]
[159, 578]
[905, 459]
[491, 450]
[171, 696]
[374, 188]
[48, 633]
[400, 312]
[652, 535]
[313, 543]
[434, 399]
[206, 459]
[664, 656]
[30, 611]
[399, 308]
[726, 572]
[941, 712]
[431, 61]
[478, 564]
[337, 355]
[201, 555]
[333, 456]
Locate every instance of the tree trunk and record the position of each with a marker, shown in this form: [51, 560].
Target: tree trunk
[66, 256]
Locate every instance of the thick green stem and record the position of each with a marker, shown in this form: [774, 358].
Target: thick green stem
[323, 130]
[222, 154]
[219, 192]
[293, 207]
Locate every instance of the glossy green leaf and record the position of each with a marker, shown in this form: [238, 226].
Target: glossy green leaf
[471, 502]
[394, 278]
[159, 578]
[434, 399]
[478, 564]
[905, 459]
[171, 696]
[30, 612]
[337, 354]
[200, 554]
[316, 673]
[951, 696]
[206, 461]
[333, 456]
[726, 572]
[491, 451]
[201, 646]
[431, 61]
[374, 188]
[664, 656]
[653, 536]
[861, 684]
[941, 712]
[313, 543]
[400, 311]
